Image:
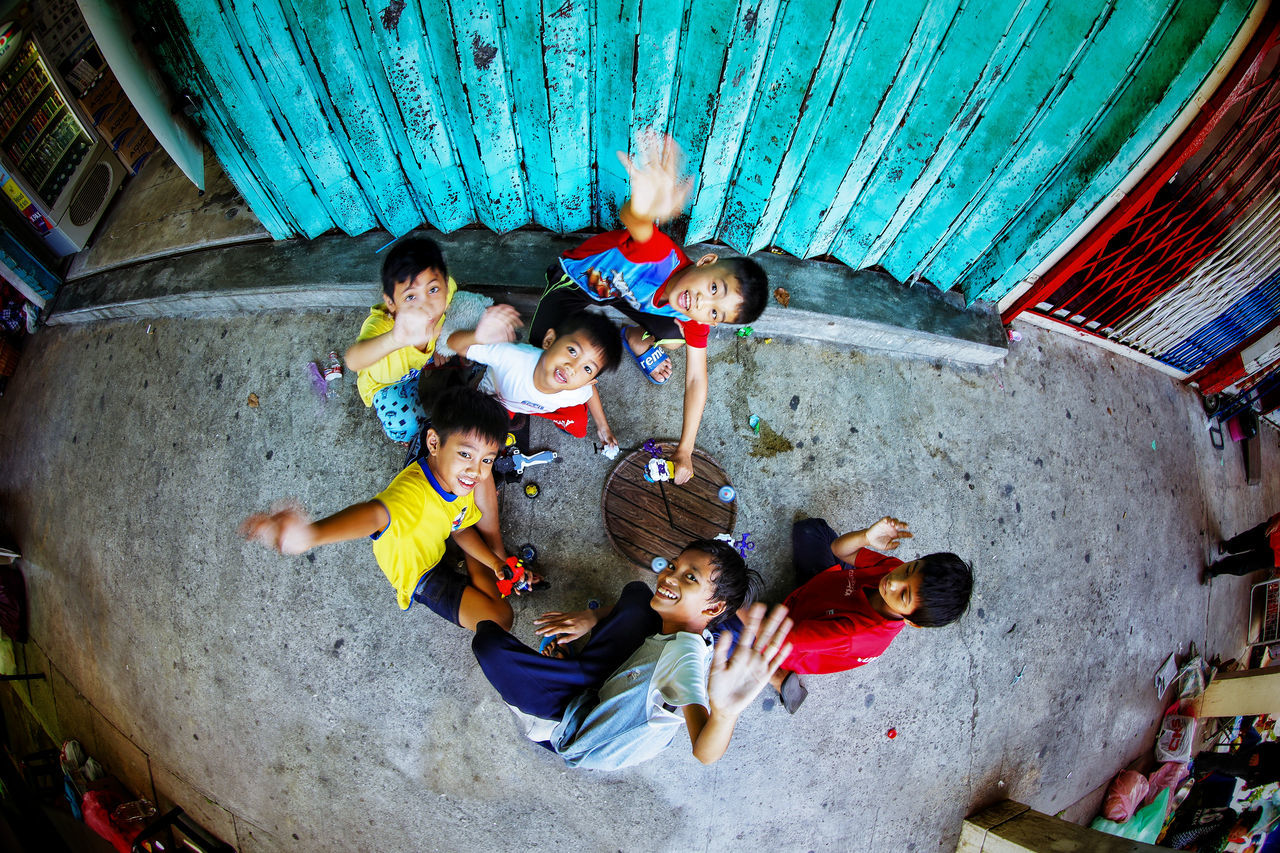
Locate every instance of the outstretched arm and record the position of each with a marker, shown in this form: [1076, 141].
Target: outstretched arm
[695, 400]
[497, 324]
[735, 682]
[289, 530]
[885, 535]
[658, 193]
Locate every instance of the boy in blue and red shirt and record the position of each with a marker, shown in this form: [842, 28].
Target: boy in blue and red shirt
[644, 274]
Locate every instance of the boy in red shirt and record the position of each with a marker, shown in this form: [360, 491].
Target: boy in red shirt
[643, 273]
[851, 602]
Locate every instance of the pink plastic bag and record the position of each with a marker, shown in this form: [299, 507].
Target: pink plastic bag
[1124, 796]
[1168, 775]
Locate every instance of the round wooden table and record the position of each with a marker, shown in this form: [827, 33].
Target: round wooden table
[646, 520]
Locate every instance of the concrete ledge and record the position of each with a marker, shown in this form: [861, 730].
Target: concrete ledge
[828, 302]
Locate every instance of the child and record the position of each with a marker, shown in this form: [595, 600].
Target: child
[643, 674]
[398, 338]
[410, 520]
[850, 603]
[645, 275]
[557, 382]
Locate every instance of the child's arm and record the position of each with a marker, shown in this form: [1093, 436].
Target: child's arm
[497, 324]
[289, 530]
[490, 529]
[567, 627]
[657, 191]
[885, 535]
[597, 414]
[470, 541]
[412, 327]
[735, 682]
[695, 400]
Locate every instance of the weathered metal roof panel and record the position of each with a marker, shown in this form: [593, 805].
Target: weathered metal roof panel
[955, 142]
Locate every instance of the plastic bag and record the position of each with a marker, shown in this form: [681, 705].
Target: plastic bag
[1176, 740]
[1145, 825]
[1124, 795]
[1167, 776]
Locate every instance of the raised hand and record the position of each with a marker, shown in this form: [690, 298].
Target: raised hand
[286, 528]
[498, 325]
[736, 681]
[414, 327]
[657, 190]
[887, 533]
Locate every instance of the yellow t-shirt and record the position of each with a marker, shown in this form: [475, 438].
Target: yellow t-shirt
[394, 367]
[422, 517]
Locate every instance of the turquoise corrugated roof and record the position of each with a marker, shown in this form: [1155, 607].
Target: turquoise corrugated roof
[956, 142]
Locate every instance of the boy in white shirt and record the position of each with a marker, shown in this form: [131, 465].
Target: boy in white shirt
[556, 382]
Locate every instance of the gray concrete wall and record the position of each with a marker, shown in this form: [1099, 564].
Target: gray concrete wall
[290, 704]
[827, 302]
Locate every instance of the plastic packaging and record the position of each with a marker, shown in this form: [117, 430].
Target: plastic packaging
[1144, 826]
[1124, 795]
[1176, 740]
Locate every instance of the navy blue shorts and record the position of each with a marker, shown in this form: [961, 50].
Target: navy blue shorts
[543, 686]
[441, 591]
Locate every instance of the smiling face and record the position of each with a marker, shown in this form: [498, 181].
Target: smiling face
[428, 290]
[900, 590]
[567, 363]
[685, 597]
[461, 461]
[706, 292]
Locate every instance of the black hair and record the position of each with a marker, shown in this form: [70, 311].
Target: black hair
[944, 590]
[408, 258]
[753, 284]
[467, 411]
[599, 330]
[733, 583]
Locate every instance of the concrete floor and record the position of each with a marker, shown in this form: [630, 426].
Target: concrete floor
[288, 704]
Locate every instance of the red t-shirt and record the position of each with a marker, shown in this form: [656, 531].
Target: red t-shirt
[836, 628]
[644, 267]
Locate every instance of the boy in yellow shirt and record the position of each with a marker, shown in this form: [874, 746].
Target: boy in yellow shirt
[409, 521]
[398, 338]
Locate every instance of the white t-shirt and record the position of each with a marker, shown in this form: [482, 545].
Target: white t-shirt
[510, 379]
[639, 710]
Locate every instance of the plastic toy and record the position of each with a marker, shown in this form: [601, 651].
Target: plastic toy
[651, 447]
[519, 580]
[528, 554]
[727, 493]
[744, 545]
[659, 471]
[531, 490]
[659, 564]
[514, 462]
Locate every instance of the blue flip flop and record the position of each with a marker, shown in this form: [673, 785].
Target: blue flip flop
[649, 361]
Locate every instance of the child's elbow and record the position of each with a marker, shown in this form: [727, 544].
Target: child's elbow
[706, 758]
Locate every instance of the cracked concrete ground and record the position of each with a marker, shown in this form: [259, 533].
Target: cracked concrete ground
[289, 705]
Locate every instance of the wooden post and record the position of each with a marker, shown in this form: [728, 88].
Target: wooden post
[1240, 694]
[1009, 827]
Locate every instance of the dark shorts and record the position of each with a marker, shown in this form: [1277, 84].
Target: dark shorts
[562, 297]
[543, 686]
[441, 591]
